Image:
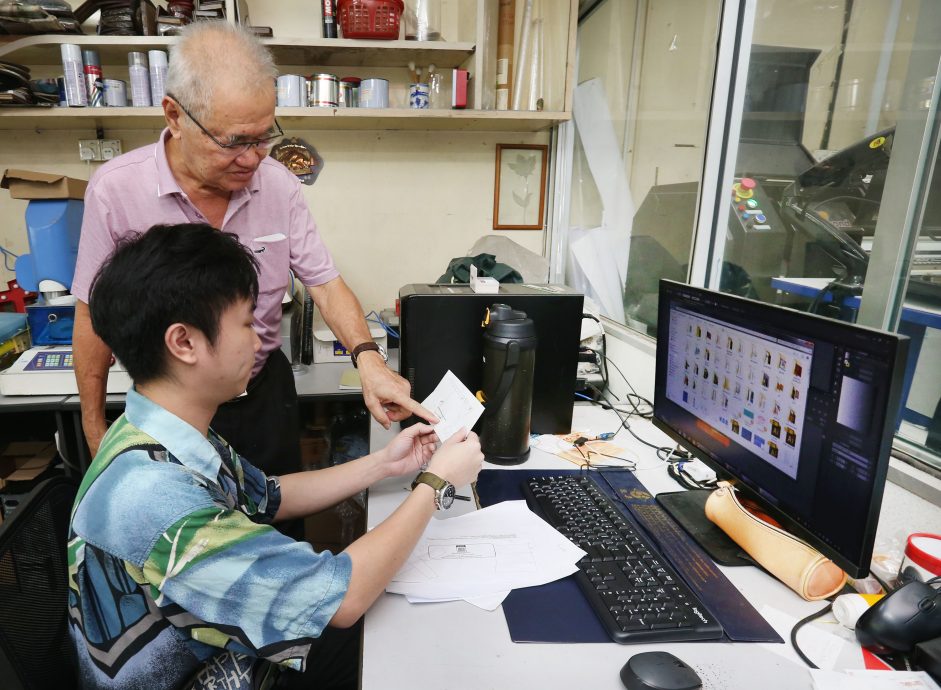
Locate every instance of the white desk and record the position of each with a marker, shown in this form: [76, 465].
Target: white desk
[456, 645]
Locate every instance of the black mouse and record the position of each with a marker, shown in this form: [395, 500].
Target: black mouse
[658, 671]
[896, 623]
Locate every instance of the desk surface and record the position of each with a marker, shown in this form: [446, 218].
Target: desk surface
[320, 380]
[461, 646]
[456, 645]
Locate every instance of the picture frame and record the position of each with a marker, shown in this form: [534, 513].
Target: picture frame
[518, 203]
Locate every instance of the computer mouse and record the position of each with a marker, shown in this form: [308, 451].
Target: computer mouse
[658, 671]
[896, 623]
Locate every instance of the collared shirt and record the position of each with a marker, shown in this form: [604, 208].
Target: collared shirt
[137, 190]
[176, 578]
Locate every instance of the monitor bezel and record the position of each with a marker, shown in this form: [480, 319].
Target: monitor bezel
[855, 565]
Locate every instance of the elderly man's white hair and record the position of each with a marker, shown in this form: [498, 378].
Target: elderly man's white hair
[210, 54]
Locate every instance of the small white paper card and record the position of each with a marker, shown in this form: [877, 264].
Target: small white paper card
[453, 405]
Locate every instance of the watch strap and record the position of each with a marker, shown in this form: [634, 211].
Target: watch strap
[364, 347]
[432, 480]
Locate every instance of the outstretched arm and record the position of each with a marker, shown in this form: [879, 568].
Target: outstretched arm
[386, 394]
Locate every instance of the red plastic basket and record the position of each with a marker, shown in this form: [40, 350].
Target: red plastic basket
[376, 19]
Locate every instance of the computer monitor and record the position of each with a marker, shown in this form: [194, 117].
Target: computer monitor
[797, 409]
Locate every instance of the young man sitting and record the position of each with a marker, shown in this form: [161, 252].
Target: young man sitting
[178, 580]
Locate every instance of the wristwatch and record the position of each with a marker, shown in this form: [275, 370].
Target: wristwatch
[366, 347]
[444, 490]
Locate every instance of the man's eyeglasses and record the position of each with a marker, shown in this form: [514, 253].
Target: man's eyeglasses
[239, 145]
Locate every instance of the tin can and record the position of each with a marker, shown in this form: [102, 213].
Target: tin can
[292, 90]
[115, 93]
[349, 92]
[374, 93]
[324, 90]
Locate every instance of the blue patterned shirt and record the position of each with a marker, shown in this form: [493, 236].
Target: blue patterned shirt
[177, 578]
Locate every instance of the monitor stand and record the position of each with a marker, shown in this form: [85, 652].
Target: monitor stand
[688, 509]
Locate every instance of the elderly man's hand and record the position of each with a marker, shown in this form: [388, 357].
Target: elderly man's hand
[386, 394]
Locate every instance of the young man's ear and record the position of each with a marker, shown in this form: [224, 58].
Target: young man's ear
[181, 341]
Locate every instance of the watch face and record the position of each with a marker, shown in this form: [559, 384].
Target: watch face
[447, 496]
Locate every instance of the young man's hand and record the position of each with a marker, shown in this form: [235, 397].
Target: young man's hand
[410, 450]
[458, 460]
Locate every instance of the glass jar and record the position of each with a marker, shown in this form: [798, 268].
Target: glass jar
[423, 20]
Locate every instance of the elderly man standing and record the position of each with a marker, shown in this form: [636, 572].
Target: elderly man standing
[210, 165]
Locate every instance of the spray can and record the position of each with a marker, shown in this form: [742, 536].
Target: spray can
[93, 83]
[158, 75]
[75, 92]
[140, 81]
[328, 8]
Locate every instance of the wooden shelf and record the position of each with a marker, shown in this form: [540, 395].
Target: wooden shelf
[349, 52]
[292, 119]
[44, 50]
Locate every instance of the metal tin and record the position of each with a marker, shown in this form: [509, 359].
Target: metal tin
[374, 93]
[115, 93]
[324, 91]
[349, 92]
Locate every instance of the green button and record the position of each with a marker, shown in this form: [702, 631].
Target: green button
[752, 203]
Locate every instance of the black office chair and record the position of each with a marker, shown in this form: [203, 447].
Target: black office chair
[35, 650]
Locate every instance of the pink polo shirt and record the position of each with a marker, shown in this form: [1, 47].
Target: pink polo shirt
[137, 190]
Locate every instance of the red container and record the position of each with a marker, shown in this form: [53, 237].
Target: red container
[375, 19]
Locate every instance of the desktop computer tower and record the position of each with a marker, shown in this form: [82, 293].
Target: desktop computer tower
[440, 329]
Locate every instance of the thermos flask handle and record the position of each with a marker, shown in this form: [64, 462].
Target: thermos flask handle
[506, 378]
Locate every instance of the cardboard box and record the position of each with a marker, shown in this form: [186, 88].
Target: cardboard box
[328, 349]
[23, 461]
[26, 184]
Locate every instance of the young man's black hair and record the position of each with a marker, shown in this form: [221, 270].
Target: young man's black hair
[187, 273]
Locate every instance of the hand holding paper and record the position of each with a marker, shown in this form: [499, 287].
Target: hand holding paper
[453, 405]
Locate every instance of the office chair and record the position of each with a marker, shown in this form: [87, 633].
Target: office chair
[35, 648]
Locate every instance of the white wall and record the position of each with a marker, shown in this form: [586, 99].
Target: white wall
[393, 207]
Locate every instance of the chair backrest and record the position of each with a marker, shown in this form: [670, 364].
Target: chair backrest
[35, 650]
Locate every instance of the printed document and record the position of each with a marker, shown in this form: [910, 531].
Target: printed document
[481, 556]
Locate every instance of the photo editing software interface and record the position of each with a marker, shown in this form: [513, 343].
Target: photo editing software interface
[798, 408]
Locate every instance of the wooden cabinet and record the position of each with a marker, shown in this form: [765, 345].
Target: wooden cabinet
[298, 48]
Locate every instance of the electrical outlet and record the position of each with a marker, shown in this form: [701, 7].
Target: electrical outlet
[89, 150]
[110, 148]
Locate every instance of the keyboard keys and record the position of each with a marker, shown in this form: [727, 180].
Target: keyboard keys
[631, 587]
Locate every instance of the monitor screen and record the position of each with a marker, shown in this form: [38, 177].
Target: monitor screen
[799, 410]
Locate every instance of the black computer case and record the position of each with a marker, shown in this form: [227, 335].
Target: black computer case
[441, 330]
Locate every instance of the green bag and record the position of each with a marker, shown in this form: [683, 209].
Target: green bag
[487, 267]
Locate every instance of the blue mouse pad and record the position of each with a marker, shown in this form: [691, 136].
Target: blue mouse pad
[559, 612]
[553, 612]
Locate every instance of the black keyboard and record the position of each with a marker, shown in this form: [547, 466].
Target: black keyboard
[636, 594]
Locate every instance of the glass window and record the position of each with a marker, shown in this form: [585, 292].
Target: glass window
[641, 111]
[825, 189]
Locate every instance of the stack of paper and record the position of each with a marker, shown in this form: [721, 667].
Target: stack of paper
[479, 557]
